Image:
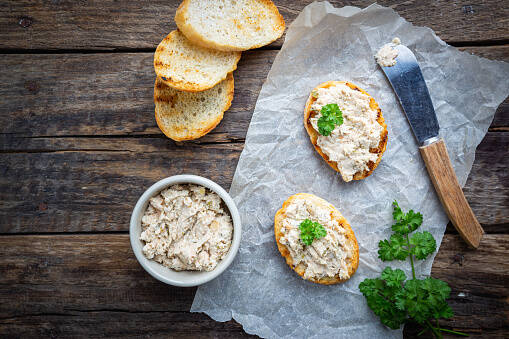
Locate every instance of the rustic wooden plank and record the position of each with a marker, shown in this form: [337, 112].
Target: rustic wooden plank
[111, 94]
[490, 52]
[481, 317]
[90, 94]
[111, 324]
[130, 24]
[85, 285]
[61, 274]
[91, 184]
[490, 172]
[154, 325]
[106, 94]
[452, 263]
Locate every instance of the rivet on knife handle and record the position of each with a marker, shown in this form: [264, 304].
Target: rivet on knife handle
[449, 191]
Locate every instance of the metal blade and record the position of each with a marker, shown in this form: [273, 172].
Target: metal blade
[408, 83]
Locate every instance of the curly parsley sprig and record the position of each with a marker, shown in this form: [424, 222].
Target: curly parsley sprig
[310, 231]
[397, 300]
[331, 117]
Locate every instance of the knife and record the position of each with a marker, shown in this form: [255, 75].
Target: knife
[410, 88]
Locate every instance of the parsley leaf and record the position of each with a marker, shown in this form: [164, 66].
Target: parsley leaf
[396, 248]
[414, 219]
[445, 311]
[393, 298]
[423, 244]
[437, 290]
[310, 231]
[371, 287]
[393, 278]
[331, 117]
[424, 299]
[397, 213]
[380, 297]
[320, 231]
[405, 223]
[389, 314]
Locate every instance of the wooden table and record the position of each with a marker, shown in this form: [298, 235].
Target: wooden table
[79, 144]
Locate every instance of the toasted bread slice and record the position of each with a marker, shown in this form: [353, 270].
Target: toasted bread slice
[189, 115]
[230, 25]
[352, 262]
[188, 67]
[313, 134]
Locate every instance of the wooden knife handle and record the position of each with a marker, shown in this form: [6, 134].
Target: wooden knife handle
[449, 191]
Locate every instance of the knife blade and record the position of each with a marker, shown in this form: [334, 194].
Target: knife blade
[408, 83]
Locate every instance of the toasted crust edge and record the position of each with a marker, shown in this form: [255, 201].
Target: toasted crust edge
[198, 133]
[300, 269]
[185, 85]
[313, 135]
[193, 35]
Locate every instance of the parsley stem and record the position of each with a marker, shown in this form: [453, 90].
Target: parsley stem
[455, 332]
[421, 333]
[436, 330]
[411, 256]
[436, 333]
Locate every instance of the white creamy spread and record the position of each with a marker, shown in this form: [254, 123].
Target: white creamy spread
[325, 257]
[386, 56]
[185, 228]
[349, 143]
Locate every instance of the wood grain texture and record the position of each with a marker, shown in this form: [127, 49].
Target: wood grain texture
[106, 94]
[91, 184]
[449, 191]
[118, 324]
[453, 262]
[92, 285]
[110, 24]
[100, 115]
[79, 143]
[490, 52]
[111, 94]
[488, 183]
[86, 184]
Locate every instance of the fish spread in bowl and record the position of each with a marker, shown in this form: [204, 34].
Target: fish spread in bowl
[186, 227]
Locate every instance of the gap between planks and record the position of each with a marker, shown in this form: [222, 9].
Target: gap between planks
[162, 136]
[488, 228]
[457, 44]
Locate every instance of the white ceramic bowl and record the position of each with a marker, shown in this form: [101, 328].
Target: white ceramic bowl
[167, 275]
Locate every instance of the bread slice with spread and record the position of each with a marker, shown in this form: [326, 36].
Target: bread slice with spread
[189, 115]
[354, 148]
[230, 25]
[188, 67]
[328, 260]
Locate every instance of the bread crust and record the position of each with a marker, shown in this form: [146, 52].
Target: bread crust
[176, 133]
[181, 19]
[180, 84]
[313, 134]
[301, 268]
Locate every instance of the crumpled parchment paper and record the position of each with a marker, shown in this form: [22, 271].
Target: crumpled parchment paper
[325, 43]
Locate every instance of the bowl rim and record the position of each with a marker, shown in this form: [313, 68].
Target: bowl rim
[201, 276]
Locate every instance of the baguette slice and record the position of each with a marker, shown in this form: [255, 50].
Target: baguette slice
[187, 67]
[353, 262]
[230, 25]
[313, 134]
[186, 115]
